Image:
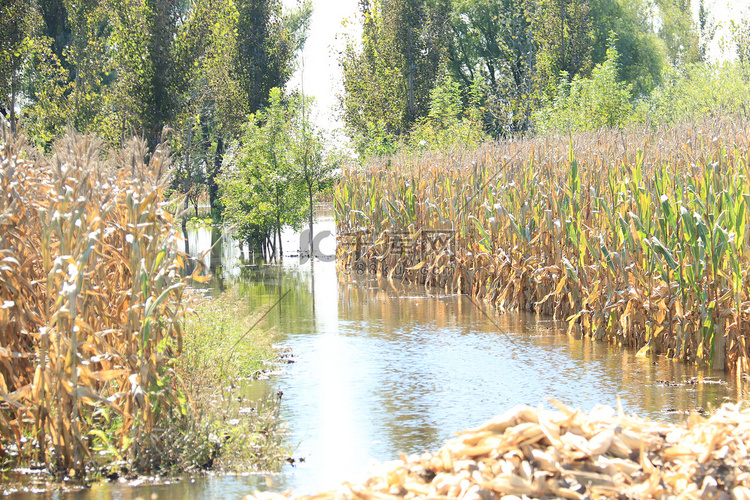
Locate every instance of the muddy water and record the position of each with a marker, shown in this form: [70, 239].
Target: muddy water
[381, 369]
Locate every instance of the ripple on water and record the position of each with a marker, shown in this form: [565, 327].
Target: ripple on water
[386, 369]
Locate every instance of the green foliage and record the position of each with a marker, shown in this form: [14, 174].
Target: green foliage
[642, 56]
[18, 21]
[124, 68]
[86, 55]
[258, 188]
[449, 125]
[278, 166]
[519, 49]
[513, 51]
[679, 32]
[740, 37]
[129, 93]
[387, 81]
[232, 54]
[262, 60]
[588, 104]
[699, 90]
[48, 88]
[562, 34]
[492, 45]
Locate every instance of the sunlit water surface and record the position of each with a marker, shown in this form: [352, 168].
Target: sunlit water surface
[383, 368]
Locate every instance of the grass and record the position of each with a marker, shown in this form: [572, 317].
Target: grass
[636, 236]
[235, 429]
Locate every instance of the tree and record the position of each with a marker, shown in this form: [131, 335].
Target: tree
[251, 48]
[450, 123]
[258, 188]
[18, 19]
[275, 171]
[312, 165]
[85, 58]
[679, 32]
[519, 49]
[588, 103]
[492, 43]
[267, 42]
[387, 81]
[642, 57]
[46, 90]
[740, 37]
[563, 36]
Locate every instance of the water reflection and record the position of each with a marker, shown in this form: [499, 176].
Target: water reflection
[386, 368]
[383, 368]
[229, 487]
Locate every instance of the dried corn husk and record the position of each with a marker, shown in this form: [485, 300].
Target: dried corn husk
[533, 453]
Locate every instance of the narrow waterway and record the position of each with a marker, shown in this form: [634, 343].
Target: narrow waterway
[383, 368]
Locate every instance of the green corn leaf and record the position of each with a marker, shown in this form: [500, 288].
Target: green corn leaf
[689, 225]
[664, 252]
[485, 242]
[144, 279]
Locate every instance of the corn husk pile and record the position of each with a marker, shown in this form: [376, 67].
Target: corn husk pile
[531, 453]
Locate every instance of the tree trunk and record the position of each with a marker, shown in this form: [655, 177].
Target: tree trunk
[187, 182]
[281, 247]
[213, 187]
[410, 62]
[13, 105]
[185, 207]
[563, 17]
[185, 237]
[310, 199]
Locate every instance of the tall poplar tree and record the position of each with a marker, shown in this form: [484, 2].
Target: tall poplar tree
[387, 83]
[17, 22]
[492, 45]
[563, 35]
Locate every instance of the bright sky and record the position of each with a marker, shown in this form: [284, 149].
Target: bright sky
[333, 20]
[321, 73]
[723, 11]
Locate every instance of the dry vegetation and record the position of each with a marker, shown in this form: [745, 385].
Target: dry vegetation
[91, 305]
[637, 237]
[528, 453]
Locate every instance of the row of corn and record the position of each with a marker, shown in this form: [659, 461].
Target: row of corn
[90, 304]
[632, 236]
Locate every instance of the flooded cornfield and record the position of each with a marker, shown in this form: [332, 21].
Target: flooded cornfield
[381, 368]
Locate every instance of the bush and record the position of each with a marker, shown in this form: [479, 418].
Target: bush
[587, 104]
[449, 124]
[697, 91]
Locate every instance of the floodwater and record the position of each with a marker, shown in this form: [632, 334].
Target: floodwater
[383, 368]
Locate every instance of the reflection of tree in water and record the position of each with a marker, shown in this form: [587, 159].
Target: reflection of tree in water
[387, 310]
[263, 285]
[228, 259]
[216, 261]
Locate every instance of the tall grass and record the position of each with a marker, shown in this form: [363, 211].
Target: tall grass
[91, 303]
[637, 237]
[224, 349]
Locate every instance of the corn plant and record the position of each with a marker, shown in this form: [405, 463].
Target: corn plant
[634, 236]
[91, 303]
